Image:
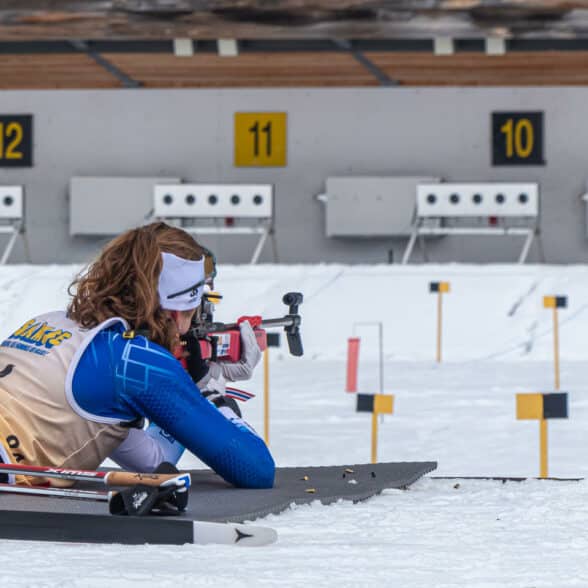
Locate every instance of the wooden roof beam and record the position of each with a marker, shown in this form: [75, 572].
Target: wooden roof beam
[121, 76]
[379, 74]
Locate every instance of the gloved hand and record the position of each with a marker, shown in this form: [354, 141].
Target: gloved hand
[213, 382]
[250, 356]
[195, 365]
[254, 320]
[213, 388]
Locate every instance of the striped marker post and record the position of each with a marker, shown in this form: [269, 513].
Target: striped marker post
[376, 404]
[273, 340]
[555, 302]
[352, 364]
[353, 355]
[439, 288]
[542, 407]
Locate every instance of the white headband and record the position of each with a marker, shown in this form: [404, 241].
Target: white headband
[181, 282]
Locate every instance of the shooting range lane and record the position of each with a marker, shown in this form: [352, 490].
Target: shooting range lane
[211, 499]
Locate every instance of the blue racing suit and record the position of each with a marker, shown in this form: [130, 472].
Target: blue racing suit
[131, 378]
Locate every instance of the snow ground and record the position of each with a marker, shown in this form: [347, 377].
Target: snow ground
[461, 413]
[482, 534]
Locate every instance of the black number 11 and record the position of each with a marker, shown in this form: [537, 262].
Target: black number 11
[268, 142]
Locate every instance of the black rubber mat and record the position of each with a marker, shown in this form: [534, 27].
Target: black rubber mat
[211, 499]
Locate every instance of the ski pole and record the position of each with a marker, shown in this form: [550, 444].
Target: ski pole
[75, 493]
[110, 478]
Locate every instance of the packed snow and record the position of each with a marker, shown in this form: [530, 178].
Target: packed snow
[497, 341]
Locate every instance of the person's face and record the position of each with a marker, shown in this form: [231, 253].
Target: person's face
[182, 319]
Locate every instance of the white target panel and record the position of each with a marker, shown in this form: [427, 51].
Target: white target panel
[214, 201]
[11, 202]
[482, 199]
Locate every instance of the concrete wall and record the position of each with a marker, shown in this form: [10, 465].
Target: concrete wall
[380, 131]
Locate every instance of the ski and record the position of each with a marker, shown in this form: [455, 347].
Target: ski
[233, 534]
[111, 478]
[74, 493]
[204, 532]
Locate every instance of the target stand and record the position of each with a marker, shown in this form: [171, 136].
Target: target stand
[11, 219]
[500, 209]
[219, 209]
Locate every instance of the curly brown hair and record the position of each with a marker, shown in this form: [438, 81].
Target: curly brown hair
[123, 280]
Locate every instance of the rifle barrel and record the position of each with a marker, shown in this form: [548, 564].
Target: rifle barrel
[285, 321]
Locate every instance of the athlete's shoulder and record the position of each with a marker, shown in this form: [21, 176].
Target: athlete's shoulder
[44, 331]
[142, 366]
[136, 340]
[52, 315]
[60, 319]
[129, 342]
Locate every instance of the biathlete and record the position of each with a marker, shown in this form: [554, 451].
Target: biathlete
[76, 386]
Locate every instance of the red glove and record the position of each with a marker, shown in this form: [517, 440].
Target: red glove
[254, 321]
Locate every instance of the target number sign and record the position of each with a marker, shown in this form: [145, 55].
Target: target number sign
[260, 139]
[16, 140]
[517, 138]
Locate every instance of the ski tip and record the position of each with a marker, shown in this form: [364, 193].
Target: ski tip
[233, 534]
[254, 535]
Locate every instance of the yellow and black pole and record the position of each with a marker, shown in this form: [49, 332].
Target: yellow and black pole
[273, 340]
[439, 288]
[542, 407]
[376, 404]
[555, 302]
[266, 396]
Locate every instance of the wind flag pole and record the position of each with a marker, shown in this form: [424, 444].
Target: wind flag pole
[542, 407]
[273, 340]
[555, 302]
[440, 288]
[376, 404]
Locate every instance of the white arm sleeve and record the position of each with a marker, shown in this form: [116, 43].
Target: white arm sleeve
[251, 354]
[144, 450]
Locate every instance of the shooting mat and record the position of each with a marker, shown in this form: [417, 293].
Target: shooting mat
[211, 499]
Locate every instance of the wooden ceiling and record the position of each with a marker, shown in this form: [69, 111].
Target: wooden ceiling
[292, 69]
[318, 31]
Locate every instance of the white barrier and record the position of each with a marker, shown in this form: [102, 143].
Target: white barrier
[194, 205]
[476, 209]
[11, 217]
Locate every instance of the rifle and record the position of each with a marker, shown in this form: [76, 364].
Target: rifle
[207, 330]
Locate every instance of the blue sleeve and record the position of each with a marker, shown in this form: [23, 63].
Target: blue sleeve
[123, 379]
[151, 381]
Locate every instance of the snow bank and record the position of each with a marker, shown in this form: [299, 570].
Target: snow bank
[492, 311]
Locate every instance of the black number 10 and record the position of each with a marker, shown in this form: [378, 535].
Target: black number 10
[267, 130]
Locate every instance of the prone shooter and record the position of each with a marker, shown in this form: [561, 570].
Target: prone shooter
[230, 351]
